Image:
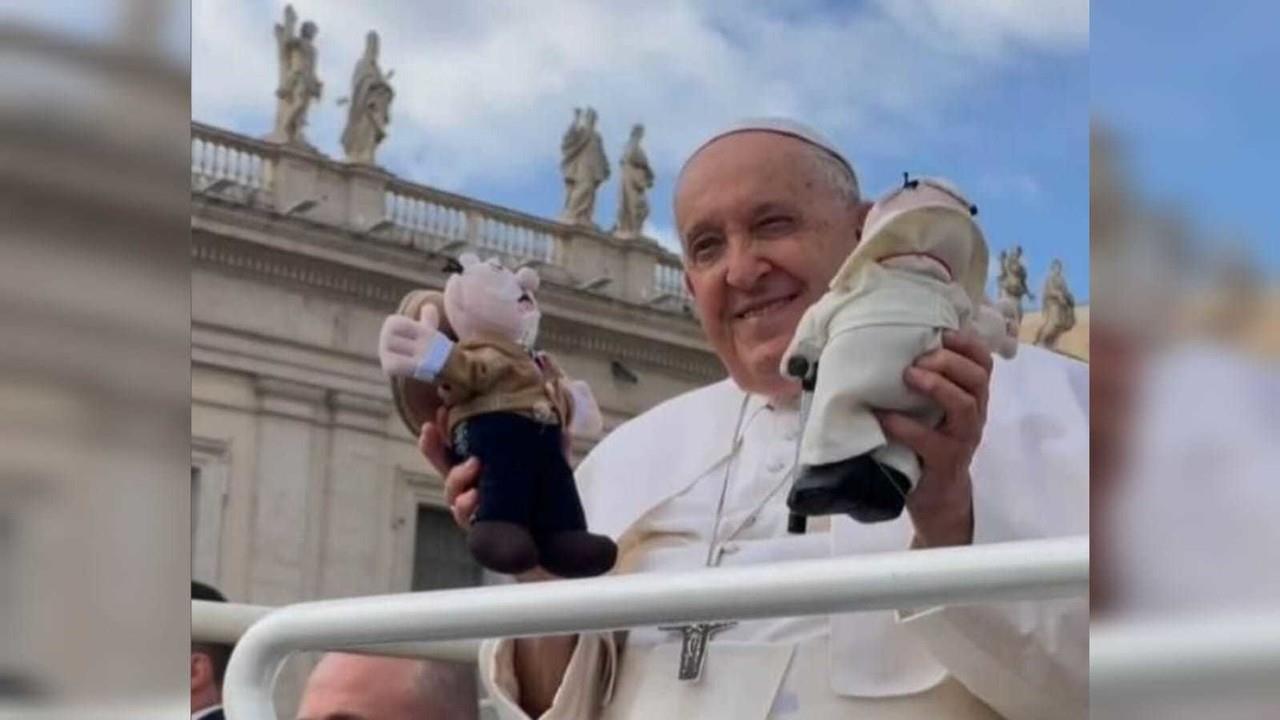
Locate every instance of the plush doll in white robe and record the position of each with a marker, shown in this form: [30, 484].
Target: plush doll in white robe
[918, 270]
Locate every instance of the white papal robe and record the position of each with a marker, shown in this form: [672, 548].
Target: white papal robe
[653, 484]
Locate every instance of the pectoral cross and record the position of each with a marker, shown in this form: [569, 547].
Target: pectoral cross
[693, 645]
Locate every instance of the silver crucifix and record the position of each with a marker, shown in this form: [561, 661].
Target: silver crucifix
[693, 645]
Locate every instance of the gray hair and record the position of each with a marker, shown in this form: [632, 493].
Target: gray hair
[836, 173]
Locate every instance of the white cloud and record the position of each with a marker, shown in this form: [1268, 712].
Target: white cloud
[486, 88]
[664, 234]
[1018, 186]
[994, 28]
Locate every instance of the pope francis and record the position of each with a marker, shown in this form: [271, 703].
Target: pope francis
[767, 210]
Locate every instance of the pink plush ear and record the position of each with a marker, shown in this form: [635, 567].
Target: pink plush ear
[468, 259]
[528, 279]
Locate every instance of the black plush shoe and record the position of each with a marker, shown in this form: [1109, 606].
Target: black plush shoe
[577, 554]
[502, 547]
[860, 487]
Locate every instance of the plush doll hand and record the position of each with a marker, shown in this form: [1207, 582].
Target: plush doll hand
[585, 420]
[413, 348]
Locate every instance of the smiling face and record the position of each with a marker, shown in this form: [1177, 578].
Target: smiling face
[763, 229]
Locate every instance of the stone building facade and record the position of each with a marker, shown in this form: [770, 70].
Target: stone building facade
[304, 483]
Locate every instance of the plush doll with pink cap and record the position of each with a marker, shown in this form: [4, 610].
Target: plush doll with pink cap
[507, 406]
[919, 269]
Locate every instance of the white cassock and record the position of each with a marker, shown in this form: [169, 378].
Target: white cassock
[653, 484]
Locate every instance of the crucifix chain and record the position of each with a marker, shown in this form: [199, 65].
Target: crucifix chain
[694, 637]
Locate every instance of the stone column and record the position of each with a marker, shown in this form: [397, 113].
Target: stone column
[358, 499]
[366, 197]
[319, 189]
[588, 256]
[301, 187]
[640, 259]
[286, 508]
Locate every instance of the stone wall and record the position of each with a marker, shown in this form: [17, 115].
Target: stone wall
[305, 483]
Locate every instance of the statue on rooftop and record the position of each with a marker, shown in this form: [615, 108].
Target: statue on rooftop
[584, 166]
[298, 84]
[1057, 306]
[369, 108]
[1012, 282]
[637, 178]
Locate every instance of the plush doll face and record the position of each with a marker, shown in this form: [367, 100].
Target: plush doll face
[488, 300]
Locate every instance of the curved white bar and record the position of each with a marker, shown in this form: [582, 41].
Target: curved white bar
[1191, 657]
[1030, 570]
[226, 622]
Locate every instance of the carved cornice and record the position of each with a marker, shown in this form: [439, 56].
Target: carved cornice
[286, 398]
[359, 412]
[557, 334]
[574, 320]
[276, 266]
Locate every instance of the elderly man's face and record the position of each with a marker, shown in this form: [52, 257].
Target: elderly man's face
[763, 233]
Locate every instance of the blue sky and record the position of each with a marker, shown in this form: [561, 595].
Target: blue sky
[994, 95]
[1192, 91]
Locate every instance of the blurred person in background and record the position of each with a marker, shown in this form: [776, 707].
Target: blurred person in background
[208, 665]
[1184, 463]
[365, 687]
[1183, 416]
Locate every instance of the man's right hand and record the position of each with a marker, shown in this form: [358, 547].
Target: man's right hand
[460, 491]
[540, 662]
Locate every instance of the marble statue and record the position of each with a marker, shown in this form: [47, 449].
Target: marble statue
[637, 178]
[584, 166]
[1012, 281]
[298, 84]
[369, 109]
[1058, 307]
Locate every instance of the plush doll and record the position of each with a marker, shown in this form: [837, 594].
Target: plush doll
[507, 406]
[918, 270]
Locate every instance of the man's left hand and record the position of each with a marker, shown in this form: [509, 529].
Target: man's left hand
[957, 377]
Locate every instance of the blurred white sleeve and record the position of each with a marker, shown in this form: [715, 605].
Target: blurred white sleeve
[587, 685]
[1027, 660]
[586, 420]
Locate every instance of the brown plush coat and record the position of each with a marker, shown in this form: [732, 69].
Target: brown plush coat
[493, 375]
[417, 401]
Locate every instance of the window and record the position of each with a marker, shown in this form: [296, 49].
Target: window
[210, 464]
[440, 556]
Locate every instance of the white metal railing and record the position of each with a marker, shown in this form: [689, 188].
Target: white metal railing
[223, 156]
[220, 622]
[1030, 570]
[1133, 662]
[444, 219]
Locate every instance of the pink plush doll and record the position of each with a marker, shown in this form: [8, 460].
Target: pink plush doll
[510, 408]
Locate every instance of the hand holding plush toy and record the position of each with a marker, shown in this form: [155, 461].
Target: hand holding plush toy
[918, 270]
[507, 406]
